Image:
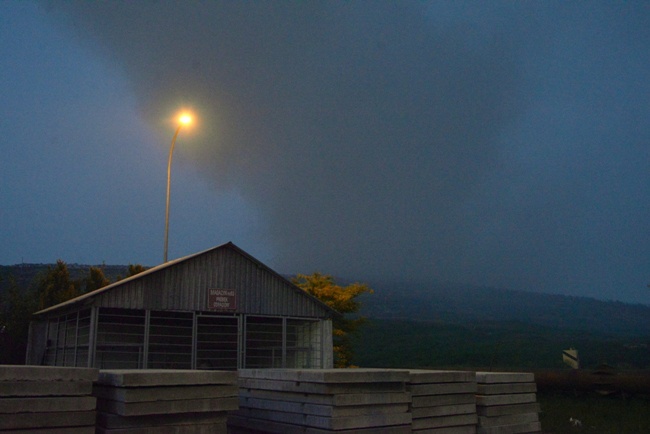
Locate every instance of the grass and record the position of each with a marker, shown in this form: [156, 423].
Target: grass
[614, 414]
[528, 348]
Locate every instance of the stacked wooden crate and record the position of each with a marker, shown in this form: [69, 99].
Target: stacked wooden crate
[47, 400]
[443, 401]
[161, 401]
[506, 402]
[322, 401]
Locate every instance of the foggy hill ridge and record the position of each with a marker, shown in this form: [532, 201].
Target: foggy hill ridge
[471, 304]
[444, 303]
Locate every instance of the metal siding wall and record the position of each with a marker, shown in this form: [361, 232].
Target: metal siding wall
[184, 286]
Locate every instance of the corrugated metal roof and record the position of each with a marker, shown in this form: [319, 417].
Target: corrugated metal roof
[182, 284]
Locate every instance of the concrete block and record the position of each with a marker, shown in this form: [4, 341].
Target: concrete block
[339, 400]
[220, 428]
[45, 388]
[320, 410]
[504, 377]
[520, 398]
[328, 375]
[58, 430]
[417, 376]
[30, 421]
[467, 429]
[437, 400]
[321, 388]
[329, 423]
[506, 388]
[46, 404]
[250, 425]
[509, 419]
[164, 407]
[164, 377]
[162, 393]
[46, 373]
[114, 421]
[532, 427]
[353, 411]
[501, 410]
[445, 421]
[441, 388]
[443, 410]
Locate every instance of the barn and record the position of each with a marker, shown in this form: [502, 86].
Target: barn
[216, 309]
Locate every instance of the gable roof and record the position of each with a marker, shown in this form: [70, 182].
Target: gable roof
[91, 297]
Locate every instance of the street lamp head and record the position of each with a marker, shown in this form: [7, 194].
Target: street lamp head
[185, 119]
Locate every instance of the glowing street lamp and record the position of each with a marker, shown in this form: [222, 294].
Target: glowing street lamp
[184, 119]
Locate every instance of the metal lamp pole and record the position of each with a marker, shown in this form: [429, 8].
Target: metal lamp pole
[184, 120]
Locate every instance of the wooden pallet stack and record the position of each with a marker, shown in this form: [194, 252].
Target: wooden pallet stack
[506, 402]
[322, 401]
[47, 400]
[443, 401]
[162, 401]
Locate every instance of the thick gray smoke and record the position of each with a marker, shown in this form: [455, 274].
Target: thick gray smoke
[401, 140]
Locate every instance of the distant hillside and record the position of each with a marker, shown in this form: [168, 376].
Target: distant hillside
[465, 305]
[26, 274]
[444, 303]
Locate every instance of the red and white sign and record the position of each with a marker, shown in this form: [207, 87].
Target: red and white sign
[222, 299]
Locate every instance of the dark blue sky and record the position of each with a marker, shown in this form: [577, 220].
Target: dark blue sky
[492, 143]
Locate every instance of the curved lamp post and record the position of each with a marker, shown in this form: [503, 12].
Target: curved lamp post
[183, 120]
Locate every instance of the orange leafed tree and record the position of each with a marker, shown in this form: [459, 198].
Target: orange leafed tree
[343, 299]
